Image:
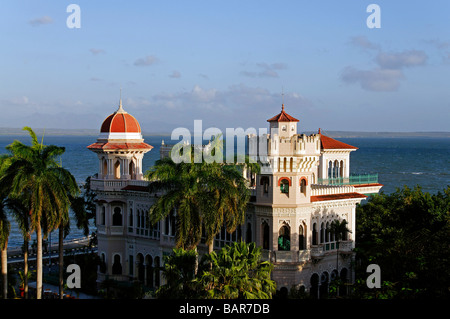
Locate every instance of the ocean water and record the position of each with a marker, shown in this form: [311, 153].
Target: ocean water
[398, 162]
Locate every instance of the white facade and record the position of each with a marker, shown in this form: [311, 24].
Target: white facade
[287, 217]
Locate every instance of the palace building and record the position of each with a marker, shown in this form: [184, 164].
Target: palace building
[303, 186]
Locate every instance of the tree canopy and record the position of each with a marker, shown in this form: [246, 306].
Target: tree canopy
[407, 234]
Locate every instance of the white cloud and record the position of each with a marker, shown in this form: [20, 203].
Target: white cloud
[388, 74]
[41, 21]
[401, 60]
[97, 51]
[175, 75]
[363, 43]
[266, 70]
[148, 60]
[374, 80]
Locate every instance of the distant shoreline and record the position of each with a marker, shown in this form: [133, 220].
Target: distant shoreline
[334, 134]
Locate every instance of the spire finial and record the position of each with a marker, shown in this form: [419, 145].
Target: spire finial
[120, 102]
[282, 99]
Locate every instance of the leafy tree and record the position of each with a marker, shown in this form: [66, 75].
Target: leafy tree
[237, 272]
[179, 272]
[206, 196]
[407, 234]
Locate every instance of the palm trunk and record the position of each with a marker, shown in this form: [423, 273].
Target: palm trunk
[4, 255]
[39, 261]
[61, 261]
[25, 269]
[196, 261]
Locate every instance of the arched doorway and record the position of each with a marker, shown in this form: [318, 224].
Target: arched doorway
[140, 267]
[117, 265]
[324, 281]
[314, 290]
[149, 271]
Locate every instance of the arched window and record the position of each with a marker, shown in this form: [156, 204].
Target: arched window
[303, 184]
[327, 233]
[341, 169]
[130, 218]
[284, 186]
[117, 217]
[284, 238]
[117, 170]
[264, 181]
[301, 238]
[322, 233]
[117, 266]
[102, 263]
[330, 169]
[291, 165]
[131, 170]
[105, 167]
[103, 216]
[336, 169]
[314, 234]
[266, 234]
[285, 164]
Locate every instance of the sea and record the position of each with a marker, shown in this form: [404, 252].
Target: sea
[397, 161]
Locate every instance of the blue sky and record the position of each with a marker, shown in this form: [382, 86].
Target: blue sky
[227, 63]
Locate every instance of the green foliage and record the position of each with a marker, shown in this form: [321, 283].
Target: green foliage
[206, 195]
[234, 272]
[407, 234]
[237, 272]
[179, 272]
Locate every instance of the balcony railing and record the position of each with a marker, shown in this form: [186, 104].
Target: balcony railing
[115, 184]
[351, 180]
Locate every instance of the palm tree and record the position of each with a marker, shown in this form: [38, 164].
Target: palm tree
[78, 207]
[4, 234]
[35, 173]
[5, 227]
[21, 212]
[208, 195]
[339, 229]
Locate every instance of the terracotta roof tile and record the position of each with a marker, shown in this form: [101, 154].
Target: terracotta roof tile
[119, 146]
[321, 198]
[120, 122]
[330, 143]
[282, 117]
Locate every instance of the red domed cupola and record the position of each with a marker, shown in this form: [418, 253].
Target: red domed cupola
[120, 122]
[120, 147]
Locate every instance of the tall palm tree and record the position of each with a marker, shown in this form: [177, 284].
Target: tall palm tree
[4, 234]
[339, 229]
[5, 227]
[78, 208]
[204, 194]
[34, 172]
[21, 212]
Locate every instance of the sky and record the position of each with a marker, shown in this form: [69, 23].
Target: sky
[228, 63]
